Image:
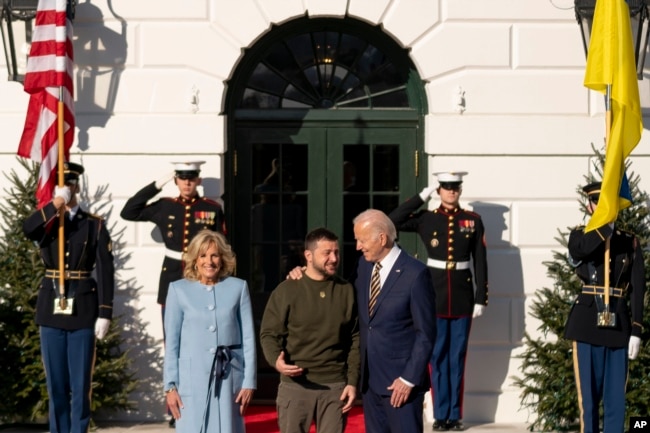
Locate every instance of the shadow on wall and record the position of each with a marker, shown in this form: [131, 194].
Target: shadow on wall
[500, 330]
[142, 349]
[100, 54]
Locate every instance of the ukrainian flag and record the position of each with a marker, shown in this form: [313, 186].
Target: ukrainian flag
[610, 61]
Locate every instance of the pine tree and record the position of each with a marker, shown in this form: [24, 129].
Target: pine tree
[548, 381]
[21, 371]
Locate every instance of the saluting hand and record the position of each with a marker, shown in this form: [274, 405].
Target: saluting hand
[287, 369]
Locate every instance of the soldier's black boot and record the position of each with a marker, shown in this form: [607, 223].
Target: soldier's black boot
[439, 425]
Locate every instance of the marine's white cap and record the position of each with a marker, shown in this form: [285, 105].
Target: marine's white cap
[188, 166]
[450, 176]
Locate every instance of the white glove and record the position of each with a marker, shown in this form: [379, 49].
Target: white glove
[426, 192]
[163, 180]
[633, 347]
[63, 192]
[101, 327]
[478, 310]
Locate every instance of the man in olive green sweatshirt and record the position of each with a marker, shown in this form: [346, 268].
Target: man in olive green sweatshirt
[310, 334]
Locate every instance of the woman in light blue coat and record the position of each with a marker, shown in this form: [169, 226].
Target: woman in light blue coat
[210, 361]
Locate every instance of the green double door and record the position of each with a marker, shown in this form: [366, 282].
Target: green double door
[290, 182]
[286, 181]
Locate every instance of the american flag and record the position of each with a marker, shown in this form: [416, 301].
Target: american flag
[49, 69]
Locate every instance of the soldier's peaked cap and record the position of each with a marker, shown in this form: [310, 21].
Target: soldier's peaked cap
[592, 188]
[188, 169]
[72, 171]
[453, 177]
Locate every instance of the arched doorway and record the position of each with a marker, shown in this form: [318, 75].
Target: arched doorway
[325, 120]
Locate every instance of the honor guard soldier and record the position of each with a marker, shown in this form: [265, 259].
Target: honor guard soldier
[452, 237]
[179, 219]
[71, 317]
[605, 321]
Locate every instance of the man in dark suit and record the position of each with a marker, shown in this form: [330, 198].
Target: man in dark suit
[71, 317]
[455, 240]
[397, 327]
[605, 325]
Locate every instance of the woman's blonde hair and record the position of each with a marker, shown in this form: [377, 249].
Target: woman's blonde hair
[199, 245]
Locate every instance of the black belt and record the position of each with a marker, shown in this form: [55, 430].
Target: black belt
[600, 290]
[68, 275]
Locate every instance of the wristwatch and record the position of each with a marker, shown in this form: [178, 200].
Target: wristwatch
[172, 388]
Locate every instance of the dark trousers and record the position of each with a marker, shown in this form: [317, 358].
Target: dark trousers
[448, 367]
[380, 417]
[69, 358]
[601, 373]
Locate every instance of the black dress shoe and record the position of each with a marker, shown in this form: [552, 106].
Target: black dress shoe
[439, 425]
[172, 423]
[455, 425]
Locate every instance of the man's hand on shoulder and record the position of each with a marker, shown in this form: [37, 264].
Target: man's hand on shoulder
[296, 273]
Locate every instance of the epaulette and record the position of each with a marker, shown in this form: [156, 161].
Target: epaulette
[207, 200]
[472, 213]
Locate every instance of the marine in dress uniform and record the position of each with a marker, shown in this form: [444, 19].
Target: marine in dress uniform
[179, 219]
[604, 336]
[452, 236]
[68, 331]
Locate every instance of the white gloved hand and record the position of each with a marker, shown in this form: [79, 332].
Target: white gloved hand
[426, 192]
[478, 310]
[101, 327]
[633, 347]
[63, 192]
[163, 180]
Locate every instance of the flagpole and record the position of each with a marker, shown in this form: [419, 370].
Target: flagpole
[61, 183]
[608, 127]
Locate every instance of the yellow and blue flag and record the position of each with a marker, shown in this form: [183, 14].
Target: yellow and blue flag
[610, 61]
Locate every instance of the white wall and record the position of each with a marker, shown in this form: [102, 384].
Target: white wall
[524, 132]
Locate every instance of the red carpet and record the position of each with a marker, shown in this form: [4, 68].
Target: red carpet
[263, 419]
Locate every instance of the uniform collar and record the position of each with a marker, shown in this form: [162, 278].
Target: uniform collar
[188, 201]
[446, 211]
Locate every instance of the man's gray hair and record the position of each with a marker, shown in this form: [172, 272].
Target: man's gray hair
[379, 222]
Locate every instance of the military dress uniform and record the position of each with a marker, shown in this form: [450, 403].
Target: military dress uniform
[600, 350]
[178, 220]
[68, 340]
[452, 238]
